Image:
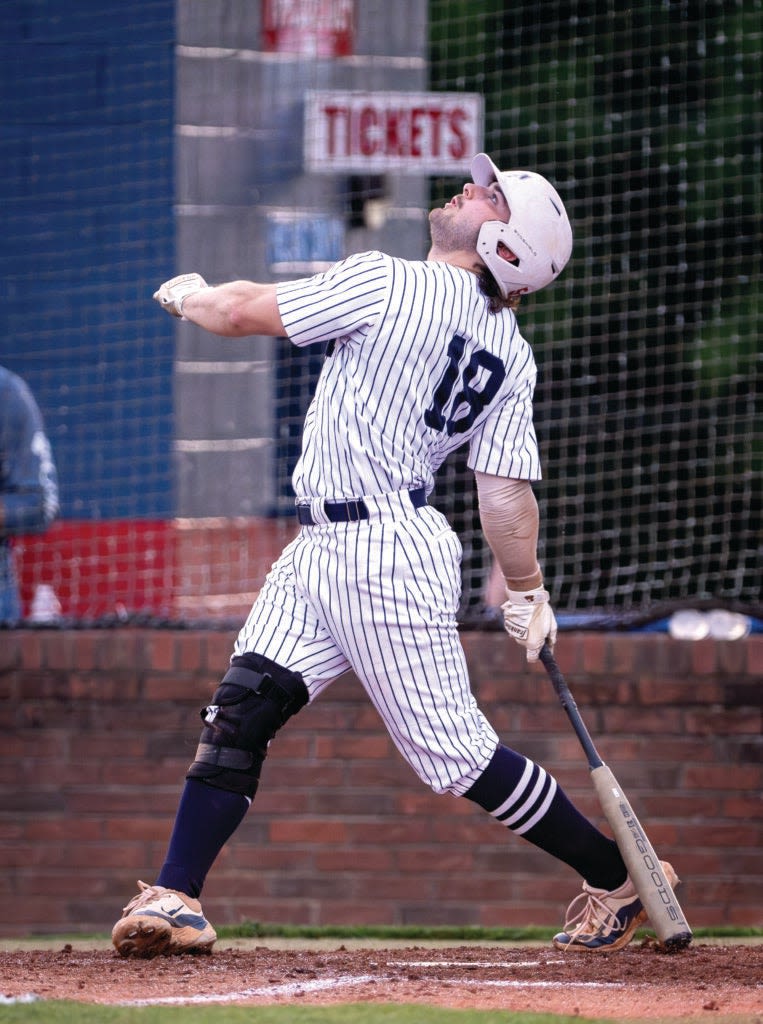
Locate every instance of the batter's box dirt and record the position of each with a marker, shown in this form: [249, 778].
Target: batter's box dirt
[707, 981]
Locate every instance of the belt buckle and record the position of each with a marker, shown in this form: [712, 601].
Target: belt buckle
[352, 505]
[304, 515]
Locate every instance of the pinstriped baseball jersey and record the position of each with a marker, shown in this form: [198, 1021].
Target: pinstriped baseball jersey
[416, 367]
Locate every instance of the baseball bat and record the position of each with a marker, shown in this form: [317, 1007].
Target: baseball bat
[644, 868]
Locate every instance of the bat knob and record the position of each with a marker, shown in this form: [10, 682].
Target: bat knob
[677, 942]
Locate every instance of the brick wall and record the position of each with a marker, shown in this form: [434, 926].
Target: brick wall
[99, 726]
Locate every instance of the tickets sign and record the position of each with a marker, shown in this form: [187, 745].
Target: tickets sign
[373, 132]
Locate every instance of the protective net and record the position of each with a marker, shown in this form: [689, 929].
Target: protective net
[86, 155]
[156, 138]
[648, 119]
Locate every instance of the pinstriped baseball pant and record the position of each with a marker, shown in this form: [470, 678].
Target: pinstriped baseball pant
[379, 597]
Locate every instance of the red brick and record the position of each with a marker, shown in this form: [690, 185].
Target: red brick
[570, 654]
[178, 687]
[101, 725]
[366, 747]
[753, 646]
[284, 802]
[85, 653]
[58, 831]
[373, 861]
[545, 719]
[45, 685]
[662, 690]
[643, 721]
[188, 656]
[748, 914]
[301, 775]
[595, 653]
[457, 862]
[57, 646]
[118, 648]
[159, 650]
[359, 912]
[135, 827]
[390, 832]
[705, 777]
[746, 806]
[10, 651]
[292, 744]
[703, 657]
[717, 721]
[308, 830]
[217, 648]
[31, 646]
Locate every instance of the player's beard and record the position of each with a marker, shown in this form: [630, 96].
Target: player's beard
[449, 234]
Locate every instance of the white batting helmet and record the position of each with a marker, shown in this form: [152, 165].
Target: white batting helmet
[538, 232]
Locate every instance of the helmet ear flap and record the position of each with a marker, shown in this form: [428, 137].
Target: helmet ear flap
[507, 273]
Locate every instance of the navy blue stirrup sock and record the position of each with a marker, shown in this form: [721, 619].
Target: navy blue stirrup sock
[206, 819]
[531, 803]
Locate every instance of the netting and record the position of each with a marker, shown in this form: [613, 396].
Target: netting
[86, 157]
[648, 119]
[153, 138]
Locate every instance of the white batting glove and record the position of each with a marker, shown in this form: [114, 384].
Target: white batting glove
[173, 293]
[528, 618]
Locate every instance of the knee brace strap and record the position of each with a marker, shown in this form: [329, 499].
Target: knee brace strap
[254, 699]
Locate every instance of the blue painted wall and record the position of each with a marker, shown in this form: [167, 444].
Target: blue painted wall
[86, 183]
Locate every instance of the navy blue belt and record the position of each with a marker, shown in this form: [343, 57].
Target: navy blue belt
[351, 510]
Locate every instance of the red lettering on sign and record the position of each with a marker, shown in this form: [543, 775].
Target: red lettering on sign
[392, 143]
[417, 114]
[457, 148]
[367, 131]
[435, 118]
[332, 113]
[322, 28]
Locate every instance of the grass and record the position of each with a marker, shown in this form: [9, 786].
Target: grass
[406, 933]
[348, 1013]
[446, 933]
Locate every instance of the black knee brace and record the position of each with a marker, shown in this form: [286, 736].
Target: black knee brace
[254, 699]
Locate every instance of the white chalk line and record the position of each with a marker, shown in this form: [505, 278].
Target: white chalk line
[473, 963]
[291, 989]
[345, 981]
[515, 983]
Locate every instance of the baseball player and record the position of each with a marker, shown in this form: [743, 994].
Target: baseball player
[28, 481]
[421, 358]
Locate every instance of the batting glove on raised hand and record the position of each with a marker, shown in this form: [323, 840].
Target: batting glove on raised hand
[173, 293]
[528, 618]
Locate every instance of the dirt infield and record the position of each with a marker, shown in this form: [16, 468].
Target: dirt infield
[706, 981]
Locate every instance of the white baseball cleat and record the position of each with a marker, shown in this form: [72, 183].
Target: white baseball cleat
[159, 920]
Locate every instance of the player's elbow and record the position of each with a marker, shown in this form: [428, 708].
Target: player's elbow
[253, 309]
[235, 324]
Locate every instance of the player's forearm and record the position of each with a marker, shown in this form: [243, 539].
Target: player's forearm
[235, 310]
[509, 518]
